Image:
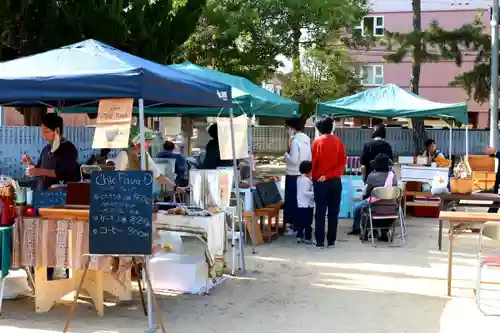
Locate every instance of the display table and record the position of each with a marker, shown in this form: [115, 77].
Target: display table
[211, 230]
[479, 200]
[60, 238]
[419, 174]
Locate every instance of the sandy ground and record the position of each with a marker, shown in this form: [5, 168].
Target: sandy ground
[290, 288]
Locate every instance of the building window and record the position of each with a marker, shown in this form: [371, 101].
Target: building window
[371, 26]
[370, 75]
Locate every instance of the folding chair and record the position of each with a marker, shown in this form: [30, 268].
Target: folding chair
[384, 214]
[489, 230]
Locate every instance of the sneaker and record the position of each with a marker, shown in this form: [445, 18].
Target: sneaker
[308, 241]
[331, 245]
[300, 240]
[320, 246]
[354, 232]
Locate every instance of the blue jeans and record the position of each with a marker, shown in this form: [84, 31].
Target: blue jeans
[357, 214]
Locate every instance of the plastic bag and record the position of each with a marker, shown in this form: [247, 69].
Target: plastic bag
[439, 184]
[16, 285]
[171, 242]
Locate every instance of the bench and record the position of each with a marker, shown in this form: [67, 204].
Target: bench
[458, 222]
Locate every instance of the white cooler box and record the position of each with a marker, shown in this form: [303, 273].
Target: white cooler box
[179, 272]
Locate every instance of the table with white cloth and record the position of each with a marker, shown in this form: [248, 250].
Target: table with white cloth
[211, 230]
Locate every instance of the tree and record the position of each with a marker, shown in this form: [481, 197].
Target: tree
[303, 25]
[244, 37]
[413, 44]
[435, 44]
[150, 29]
[232, 37]
[327, 73]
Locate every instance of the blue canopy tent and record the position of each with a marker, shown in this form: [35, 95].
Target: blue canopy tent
[83, 73]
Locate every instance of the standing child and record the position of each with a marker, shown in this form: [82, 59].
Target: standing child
[305, 203]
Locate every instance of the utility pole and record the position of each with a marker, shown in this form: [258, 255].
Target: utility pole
[494, 76]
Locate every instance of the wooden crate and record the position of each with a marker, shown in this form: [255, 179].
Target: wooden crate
[482, 163]
[483, 180]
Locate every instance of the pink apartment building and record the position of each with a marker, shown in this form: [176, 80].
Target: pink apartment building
[396, 16]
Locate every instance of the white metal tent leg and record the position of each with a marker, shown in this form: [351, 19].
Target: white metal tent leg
[151, 322]
[466, 140]
[250, 181]
[236, 178]
[2, 287]
[451, 138]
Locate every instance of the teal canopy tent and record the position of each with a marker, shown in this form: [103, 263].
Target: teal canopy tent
[390, 101]
[249, 97]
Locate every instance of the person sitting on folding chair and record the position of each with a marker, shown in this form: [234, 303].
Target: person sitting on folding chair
[381, 176]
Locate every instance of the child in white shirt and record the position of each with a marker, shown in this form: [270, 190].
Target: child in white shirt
[305, 203]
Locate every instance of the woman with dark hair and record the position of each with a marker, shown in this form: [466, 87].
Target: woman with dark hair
[212, 153]
[328, 164]
[57, 163]
[382, 176]
[299, 150]
[376, 146]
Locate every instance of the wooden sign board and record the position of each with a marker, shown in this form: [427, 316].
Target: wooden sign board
[49, 198]
[121, 213]
[113, 123]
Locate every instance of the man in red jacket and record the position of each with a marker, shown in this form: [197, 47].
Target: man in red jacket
[329, 161]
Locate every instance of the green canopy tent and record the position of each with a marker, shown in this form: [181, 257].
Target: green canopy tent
[249, 97]
[390, 101]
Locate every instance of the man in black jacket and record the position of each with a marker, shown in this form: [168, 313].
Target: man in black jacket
[376, 146]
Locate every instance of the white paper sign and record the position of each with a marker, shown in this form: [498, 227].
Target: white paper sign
[113, 123]
[240, 125]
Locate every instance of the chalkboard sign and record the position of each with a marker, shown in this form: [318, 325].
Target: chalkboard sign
[47, 199]
[268, 192]
[121, 213]
[257, 200]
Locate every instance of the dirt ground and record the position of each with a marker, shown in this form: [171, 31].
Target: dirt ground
[295, 288]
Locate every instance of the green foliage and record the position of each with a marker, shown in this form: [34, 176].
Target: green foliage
[232, 37]
[327, 73]
[150, 29]
[244, 37]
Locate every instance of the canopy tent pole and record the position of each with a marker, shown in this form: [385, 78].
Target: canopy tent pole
[250, 181]
[450, 145]
[151, 326]
[236, 175]
[467, 141]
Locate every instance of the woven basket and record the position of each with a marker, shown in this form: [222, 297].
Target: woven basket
[461, 186]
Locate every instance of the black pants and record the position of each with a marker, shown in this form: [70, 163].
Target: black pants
[327, 195]
[304, 222]
[494, 207]
[290, 207]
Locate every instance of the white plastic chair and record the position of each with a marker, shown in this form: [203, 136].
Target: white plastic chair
[490, 230]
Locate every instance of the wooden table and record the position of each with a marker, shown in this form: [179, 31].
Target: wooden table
[59, 238]
[460, 221]
[479, 200]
